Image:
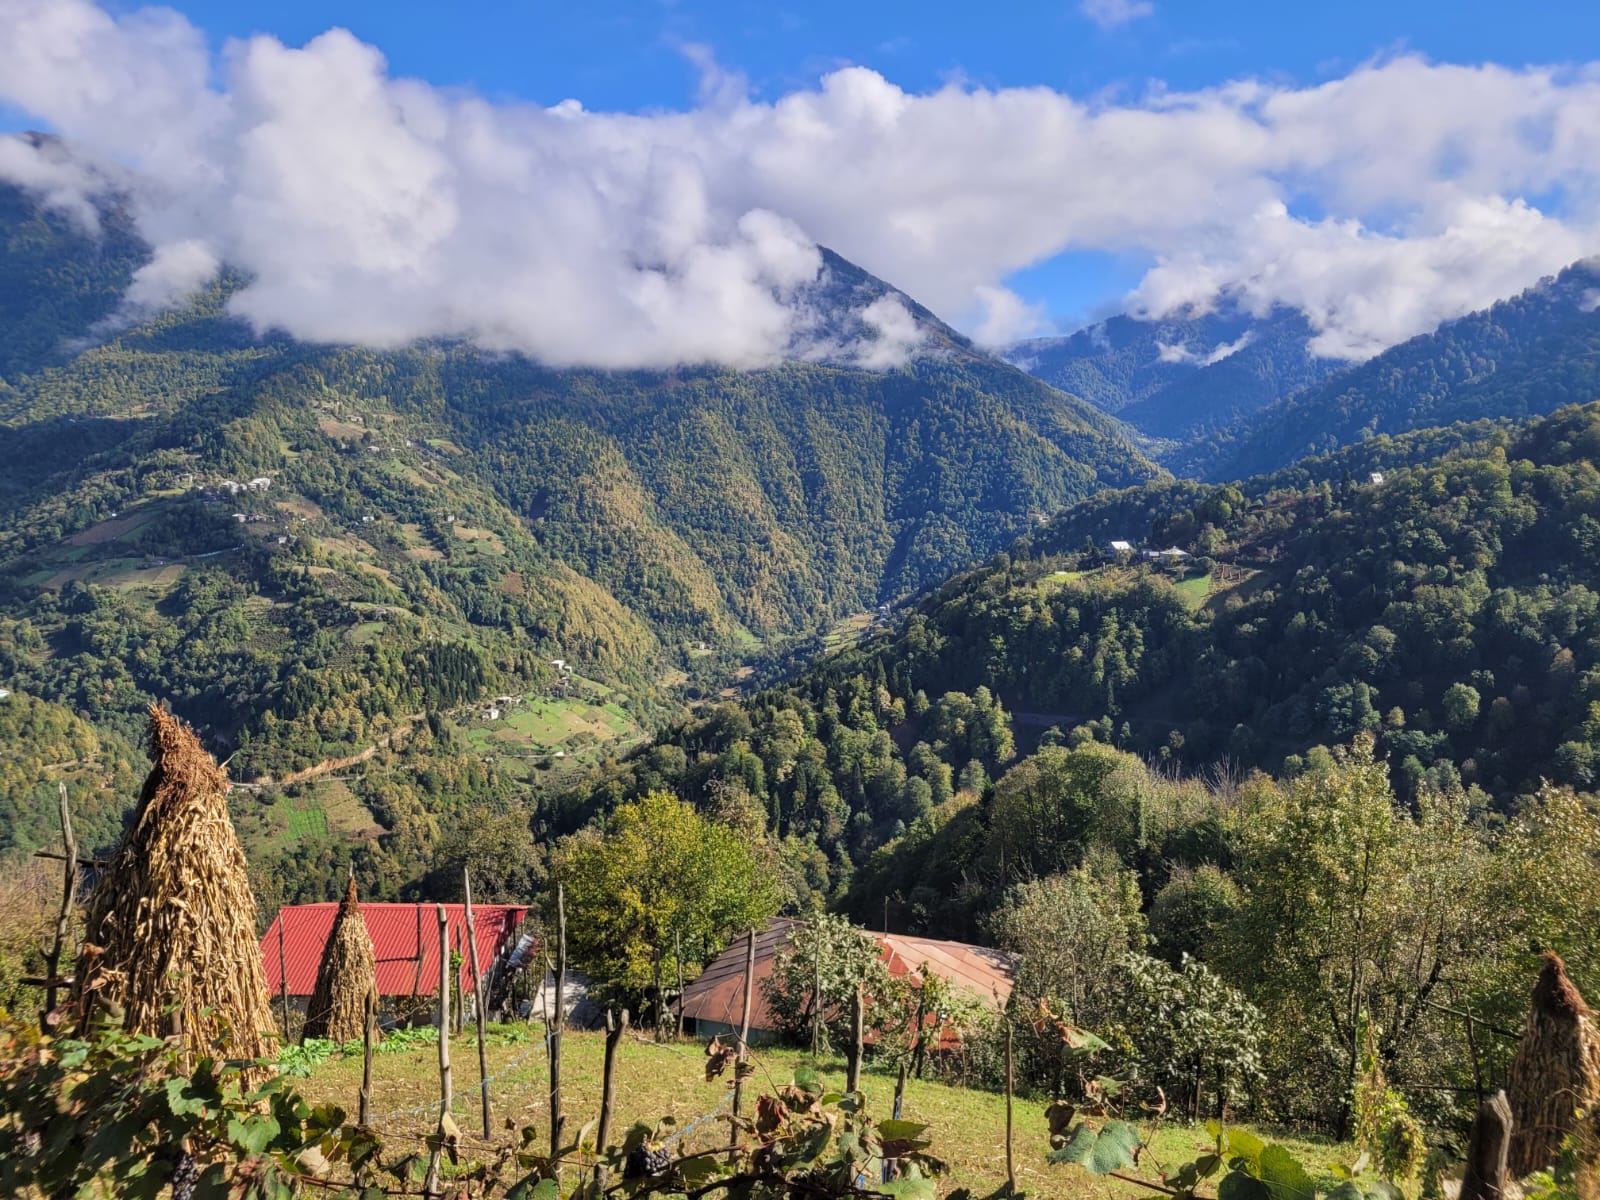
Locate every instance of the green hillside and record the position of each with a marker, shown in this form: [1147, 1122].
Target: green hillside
[1451, 611]
[306, 550]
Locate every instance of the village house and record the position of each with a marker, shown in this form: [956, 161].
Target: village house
[714, 1003]
[405, 943]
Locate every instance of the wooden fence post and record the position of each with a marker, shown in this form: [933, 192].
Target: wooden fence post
[739, 1067]
[857, 1022]
[557, 1020]
[430, 1186]
[477, 1003]
[816, 992]
[1011, 1165]
[615, 1030]
[677, 959]
[366, 1055]
[69, 887]
[1485, 1176]
[416, 982]
[283, 972]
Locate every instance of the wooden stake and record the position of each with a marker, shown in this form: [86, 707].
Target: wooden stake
[477, 1004]
[1011, 1165]
[677, 959]
[69, 887]
[744, 1024]
[430, 1186]
[615, 1030]
[816, 991]
[1485, 1175]
[557, 1020]
[857, 1021]
[416, 983]
[283, 973]
[890, 1167]
[366, 1055]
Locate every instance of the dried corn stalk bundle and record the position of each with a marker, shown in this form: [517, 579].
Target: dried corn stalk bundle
[1555, 1073]
[170, 941]
[345, 977]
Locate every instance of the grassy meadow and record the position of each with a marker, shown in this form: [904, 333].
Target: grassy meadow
[967, 1126]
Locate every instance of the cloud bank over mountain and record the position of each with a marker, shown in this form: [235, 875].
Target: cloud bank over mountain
[376, 209]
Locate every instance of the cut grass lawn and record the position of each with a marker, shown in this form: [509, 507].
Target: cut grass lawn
[967, 1126]
[1193, 591]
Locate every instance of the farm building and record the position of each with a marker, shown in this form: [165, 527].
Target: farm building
[405, 942]
[1121, 547]
[714, 1002]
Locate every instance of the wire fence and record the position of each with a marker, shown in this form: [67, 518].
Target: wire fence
[464, 1101]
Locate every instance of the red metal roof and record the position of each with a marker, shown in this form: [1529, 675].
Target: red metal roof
[397, 931]
[718, 993]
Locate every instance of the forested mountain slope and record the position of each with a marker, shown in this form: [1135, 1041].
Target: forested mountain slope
[1522, 357]
[1179, 378]
[1453, 611]
[306, 549]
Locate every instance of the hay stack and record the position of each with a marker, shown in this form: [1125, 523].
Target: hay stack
[1555, 1073]
[346, 978]
[172, 921]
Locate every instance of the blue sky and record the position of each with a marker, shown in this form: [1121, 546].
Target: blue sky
[629, 56]
[1020, 168]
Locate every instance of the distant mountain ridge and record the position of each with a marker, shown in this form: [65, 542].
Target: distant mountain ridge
[1524, 356]
[1180, 377]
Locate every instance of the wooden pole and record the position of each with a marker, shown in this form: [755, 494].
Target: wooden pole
[283, 973]
[677, 960]
[890, 1167]
[416, 982]
[857, 1021]
[430, 1186]
[69, 887]
[1485, 1175]
[615, 1030]
[366, 1055]
[917, 1053]
[477, 1004]
[744, 1023]
[1477, 1070]
[1011, 1165]
[558, 1019]
[816, 991]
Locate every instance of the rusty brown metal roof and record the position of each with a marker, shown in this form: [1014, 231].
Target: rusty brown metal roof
[718, 993]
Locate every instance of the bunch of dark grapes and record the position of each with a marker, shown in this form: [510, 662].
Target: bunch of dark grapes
[646, 1160]
[184, 1175]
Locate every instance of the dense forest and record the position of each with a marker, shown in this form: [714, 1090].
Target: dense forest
[1449, 612]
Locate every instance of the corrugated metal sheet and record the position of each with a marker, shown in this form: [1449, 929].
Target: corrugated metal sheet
[718, 994]
[977, 970]
[401, 935]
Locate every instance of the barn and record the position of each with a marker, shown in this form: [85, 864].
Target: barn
[714, 1002]
[405, 942]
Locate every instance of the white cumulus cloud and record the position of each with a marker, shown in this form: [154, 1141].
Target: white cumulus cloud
[371, 208]
[1109, 14]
